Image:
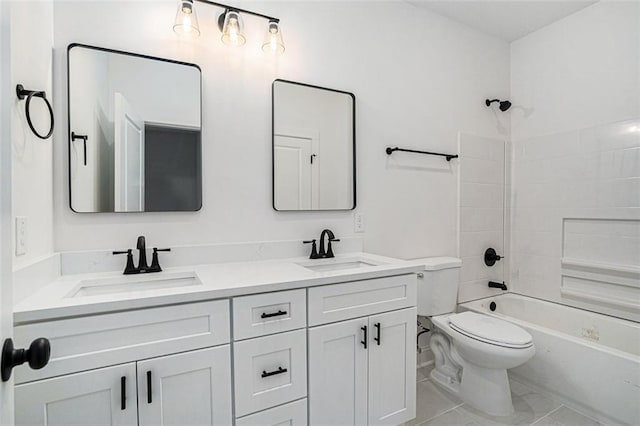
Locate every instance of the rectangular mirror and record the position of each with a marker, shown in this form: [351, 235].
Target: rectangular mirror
[313, 147]
[134, 132]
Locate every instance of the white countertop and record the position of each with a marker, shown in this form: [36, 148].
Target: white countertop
[218, 281]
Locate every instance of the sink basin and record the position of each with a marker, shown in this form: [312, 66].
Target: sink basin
[337, 265]
[129, 283]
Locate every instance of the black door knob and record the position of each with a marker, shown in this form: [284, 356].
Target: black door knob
[37, 356]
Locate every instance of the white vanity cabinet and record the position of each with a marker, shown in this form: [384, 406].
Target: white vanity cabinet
[362, 370]
[162, 365]
[327, 354]
[191, 388]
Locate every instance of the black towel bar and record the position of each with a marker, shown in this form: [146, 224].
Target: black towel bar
[390, 151]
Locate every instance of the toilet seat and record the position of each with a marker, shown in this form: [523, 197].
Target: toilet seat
[490, 330]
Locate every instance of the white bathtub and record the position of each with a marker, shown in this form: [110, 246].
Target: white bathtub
[591, 361]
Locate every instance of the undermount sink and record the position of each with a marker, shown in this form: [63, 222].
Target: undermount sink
[337, 264]
[129, 283]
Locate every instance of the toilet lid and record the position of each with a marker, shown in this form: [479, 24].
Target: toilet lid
[491, 330]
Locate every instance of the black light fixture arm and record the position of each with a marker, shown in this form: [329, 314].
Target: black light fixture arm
[449, 157]
[237, 9]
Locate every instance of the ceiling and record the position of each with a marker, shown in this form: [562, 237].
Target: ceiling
[508, 20]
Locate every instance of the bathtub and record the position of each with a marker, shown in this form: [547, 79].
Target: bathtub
[588, 360]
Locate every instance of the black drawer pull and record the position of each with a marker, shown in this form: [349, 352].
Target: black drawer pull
[377, 338]
[273, 314]
[123, 393]
[149, 400]
[280, 370]
[364, 342]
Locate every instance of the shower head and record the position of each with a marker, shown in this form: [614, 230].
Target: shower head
[504, 105]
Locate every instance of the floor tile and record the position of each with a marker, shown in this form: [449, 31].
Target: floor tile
[565, 416]
[432, 401]
[529, 407]
[422, 373]
[451, 418]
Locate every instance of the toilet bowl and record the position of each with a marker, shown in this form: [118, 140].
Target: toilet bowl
[472, 351]
[472, 354]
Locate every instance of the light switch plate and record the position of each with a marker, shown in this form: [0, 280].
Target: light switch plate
[21, 235]
[358, 222]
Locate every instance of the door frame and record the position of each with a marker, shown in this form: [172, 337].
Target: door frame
[6, 257]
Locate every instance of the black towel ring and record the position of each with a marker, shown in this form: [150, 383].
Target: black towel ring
[30, 94]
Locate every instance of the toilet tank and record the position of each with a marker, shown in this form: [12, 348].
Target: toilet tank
[438, 287]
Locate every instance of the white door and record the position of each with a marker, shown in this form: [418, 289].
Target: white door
[129, 157]
[6, 298]
[191, 388]
[338, 373]
[292, 181]
[106, 396]
[392, 367]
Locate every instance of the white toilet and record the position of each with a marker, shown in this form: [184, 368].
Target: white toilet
[472, 351]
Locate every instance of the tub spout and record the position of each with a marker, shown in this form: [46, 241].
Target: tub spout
[501, 286]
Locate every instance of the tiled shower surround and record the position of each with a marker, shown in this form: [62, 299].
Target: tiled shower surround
[482, 203]
[570, 190]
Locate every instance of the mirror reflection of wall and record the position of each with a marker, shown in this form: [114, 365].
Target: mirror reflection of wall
[313, 147]
[142, 120]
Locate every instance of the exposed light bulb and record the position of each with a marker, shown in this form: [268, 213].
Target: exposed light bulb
[273, 40]
[186, 22]
[232, 29]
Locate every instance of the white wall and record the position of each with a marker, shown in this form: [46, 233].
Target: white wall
[31, 66]
[577, 154]
[415, 87]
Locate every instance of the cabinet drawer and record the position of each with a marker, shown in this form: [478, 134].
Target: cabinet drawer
[269, 313]
[293, 414]
[89, 342]
[338, 302]
[270, 371]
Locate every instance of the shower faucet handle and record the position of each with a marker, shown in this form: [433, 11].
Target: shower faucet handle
[491, 257]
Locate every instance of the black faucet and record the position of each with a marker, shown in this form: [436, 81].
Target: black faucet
[331, 238]
[142, 267]
[501, 286]
[141, 245]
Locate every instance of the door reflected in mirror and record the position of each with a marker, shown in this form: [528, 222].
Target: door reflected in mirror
[313, 147]
[134, 132]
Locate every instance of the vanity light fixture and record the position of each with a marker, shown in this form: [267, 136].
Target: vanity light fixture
[186, 22]
[229, 23]
[232, 28]
[273, 40]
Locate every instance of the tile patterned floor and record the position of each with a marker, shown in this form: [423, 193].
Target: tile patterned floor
[437, 407]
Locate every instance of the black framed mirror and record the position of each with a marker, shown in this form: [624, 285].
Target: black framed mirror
[135, 132]
[313, 147]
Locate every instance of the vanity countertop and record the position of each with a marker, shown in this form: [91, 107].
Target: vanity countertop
[90, 294]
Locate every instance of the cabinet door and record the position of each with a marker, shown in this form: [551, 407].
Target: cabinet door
[392, 367]
[338, 373]
[99, 397]
[191, 388]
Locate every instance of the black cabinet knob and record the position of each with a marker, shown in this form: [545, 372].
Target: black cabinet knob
[37, 356]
